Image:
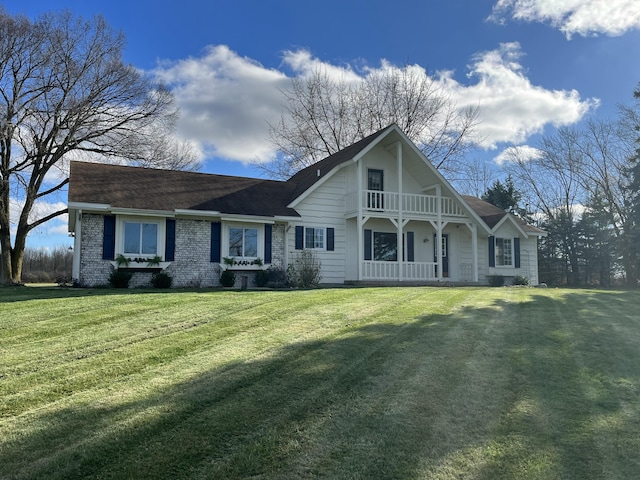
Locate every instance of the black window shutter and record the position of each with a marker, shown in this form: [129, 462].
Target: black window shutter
[516, 252]
[216, 237]
[410, 249]
[299, 238]
[367, 244]
[170, 240]
[492, 251]
[331, 239]
[268, 239]
[109, 238]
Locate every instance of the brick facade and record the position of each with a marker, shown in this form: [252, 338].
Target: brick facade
[191, 267]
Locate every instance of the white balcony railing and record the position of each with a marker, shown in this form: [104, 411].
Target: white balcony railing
[414, 204]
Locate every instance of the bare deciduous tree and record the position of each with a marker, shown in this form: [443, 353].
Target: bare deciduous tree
[324, 115]
[65, 90]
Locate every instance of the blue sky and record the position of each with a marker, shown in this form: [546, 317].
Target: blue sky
[531, 65]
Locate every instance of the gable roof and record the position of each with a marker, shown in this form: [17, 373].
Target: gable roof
[494, 216]
[307, 177]
[154, 189]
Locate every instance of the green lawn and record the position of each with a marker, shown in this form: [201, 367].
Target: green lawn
[371, 383]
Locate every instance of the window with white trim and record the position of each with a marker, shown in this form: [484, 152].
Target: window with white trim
[314, 238]
[504, 252]
[243, 242]
[140, 237]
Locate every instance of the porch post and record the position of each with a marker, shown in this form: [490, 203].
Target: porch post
[399, 241]
[360, 246]
[474, 249]
[439, 230]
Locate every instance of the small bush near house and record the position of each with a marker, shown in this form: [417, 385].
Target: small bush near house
[161, 280]
[120, 278]
[277, 277]
[227, 278]
[496, 280]
[520, 280]
[262, 278]
[304, 271]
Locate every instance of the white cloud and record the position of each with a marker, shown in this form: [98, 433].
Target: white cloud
[227, 101]
[582, 17]
[511, 107]
[520, 153]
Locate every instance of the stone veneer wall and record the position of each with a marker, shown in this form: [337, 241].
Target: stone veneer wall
[191, 267]
[93, 270]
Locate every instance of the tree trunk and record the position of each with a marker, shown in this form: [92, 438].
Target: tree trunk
[5, 258]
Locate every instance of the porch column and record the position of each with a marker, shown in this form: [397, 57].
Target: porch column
[360, 246]
[399, 241]
[439, 230]
[474, 250]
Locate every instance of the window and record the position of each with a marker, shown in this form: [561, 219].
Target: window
[140, 238]
[385, 247]
[375, 183]
[504, 252]
[314, 238]
[243, 242]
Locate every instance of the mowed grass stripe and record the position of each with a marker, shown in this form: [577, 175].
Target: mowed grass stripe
[346, 383]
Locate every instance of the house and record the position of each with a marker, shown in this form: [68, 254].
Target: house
[375, 212]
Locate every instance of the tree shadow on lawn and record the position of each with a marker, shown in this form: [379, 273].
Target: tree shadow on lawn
[513, 390]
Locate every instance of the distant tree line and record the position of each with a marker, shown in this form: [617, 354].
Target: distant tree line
[47, 266]
[581, 186]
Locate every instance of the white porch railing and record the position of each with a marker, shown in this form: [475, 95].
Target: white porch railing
[389, 202]
[388, 271]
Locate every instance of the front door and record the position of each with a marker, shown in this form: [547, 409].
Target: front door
[445, 253]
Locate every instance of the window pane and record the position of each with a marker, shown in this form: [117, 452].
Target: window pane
[150, 238]
[251, 242]
[319, 238]
[235, 242]
[131, 237]
[385, 247]
[309, 237]
[503, 252]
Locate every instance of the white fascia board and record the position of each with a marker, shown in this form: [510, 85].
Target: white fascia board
[139, 212]
[94, 207]
[281, 218]
[196, 213]
[247, 219]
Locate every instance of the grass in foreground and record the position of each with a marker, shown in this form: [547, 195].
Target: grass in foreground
[346, 383]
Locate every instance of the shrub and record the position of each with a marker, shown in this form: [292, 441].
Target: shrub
[262, 278]
[496, 280]
[161, 280]
[304, 272]
[277, 277]
[520, 280]
[120, 278]
[227, 278]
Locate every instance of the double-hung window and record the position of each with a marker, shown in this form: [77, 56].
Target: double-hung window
[504, 252]
[314, 237]
[243, 242]
[140, 238]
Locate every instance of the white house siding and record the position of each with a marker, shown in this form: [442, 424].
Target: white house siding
[324, 208]
[528, 256]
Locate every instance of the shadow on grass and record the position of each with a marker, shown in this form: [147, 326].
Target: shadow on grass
[546, 388]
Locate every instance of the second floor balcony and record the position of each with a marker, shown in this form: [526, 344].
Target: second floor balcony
[390, 203]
